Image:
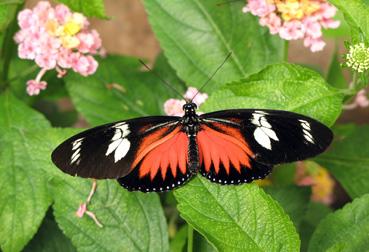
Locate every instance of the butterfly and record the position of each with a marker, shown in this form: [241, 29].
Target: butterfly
[160, 153]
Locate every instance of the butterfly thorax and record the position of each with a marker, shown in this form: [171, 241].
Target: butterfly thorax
[191, 122]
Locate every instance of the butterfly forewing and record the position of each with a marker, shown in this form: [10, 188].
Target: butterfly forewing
[107, 151]
[274, 136]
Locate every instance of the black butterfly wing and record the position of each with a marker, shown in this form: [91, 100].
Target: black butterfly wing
[252, 141]
[106, 151]
[146, 154]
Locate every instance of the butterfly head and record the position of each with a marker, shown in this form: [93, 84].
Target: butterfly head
[189, 108]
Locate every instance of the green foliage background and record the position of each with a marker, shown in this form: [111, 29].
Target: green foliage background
[38, 202]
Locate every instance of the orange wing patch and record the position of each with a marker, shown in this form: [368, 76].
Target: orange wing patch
[227, 148]
[160, 152]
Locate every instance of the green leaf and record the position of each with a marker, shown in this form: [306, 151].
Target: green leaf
[335, 75]
[281, 86]
[344, 230]
[50, 238]
[24, 197]
[356, 13]
[284, 174]
[236, 218]
[90, 8]
[131, 94]
[166, 72]
[348, 160]
[132, 221]
[197, 35]
[293, 199]
[314, 214]
[178, 243]
[7, 11]
[201, 244]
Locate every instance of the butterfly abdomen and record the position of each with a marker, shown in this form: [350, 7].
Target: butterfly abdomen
[193, 154]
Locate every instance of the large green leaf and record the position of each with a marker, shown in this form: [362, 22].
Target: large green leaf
[281, 86]
[314, 214]
[293, 199]
[344, 230]
[356, 13]
[197, 35]
[236, 218]
[348, 160]
[49, 238]
[133, 221]
[24, 197]
[131, 94]
[91, 8]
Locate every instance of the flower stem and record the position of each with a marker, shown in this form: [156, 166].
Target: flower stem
[189, 238]
[354, 81]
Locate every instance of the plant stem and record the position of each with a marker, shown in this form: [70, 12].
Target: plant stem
[189, 238]
[286, 47]
[353, 82]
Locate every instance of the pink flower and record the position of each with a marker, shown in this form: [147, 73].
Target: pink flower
[34, 87]
[90, 42]
[272, 21]
[56, 38]
[199, 99]
[26, 19]
[291, 30]
[46, 60]
[27, 50]
[62, 13]
[315, 45]
[312, 27]
[361, 99]
[294, 20]
[259, 8]
[174, 107]
[85, 65]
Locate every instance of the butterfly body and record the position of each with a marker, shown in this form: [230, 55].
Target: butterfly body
[160, 153]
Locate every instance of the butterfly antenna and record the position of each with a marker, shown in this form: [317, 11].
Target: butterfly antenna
[211, 77]
[160, 78]
[228, 2]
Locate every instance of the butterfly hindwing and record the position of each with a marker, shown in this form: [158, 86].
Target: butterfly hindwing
[226, 157]
[274, 136]
[161, 161]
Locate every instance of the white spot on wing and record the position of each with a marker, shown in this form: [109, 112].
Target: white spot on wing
[262, 138]
[76, 147]
[264, 132]
[306, 128]
[119, 143]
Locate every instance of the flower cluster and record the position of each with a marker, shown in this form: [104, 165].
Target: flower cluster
[322, 185]
[358, 57]
[295, 19]
[173, 107]
[56, 38]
